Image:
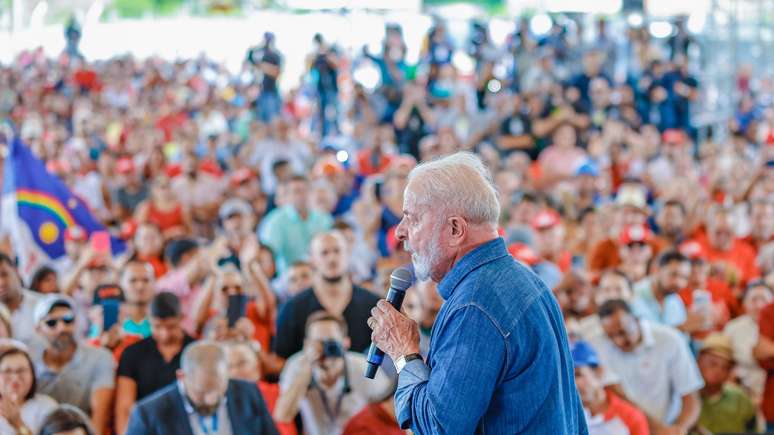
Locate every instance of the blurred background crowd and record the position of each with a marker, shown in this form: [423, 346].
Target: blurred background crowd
[258, 211]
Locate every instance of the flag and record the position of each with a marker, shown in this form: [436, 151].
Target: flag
[37, 208]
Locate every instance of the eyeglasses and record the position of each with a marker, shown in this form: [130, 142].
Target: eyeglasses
[18, 372]
[52, 322]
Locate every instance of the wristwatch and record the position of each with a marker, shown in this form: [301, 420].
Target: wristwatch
[404, 359]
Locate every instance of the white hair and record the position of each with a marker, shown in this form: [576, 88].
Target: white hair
[203, 354]
[457, 184]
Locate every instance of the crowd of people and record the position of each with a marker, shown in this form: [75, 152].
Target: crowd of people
[260, 231]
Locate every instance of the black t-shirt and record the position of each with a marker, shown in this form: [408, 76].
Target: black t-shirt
[143, 363]
[291, 322]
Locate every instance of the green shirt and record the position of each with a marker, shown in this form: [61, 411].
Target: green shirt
[142, 329]
[289, 236]
[728, 412]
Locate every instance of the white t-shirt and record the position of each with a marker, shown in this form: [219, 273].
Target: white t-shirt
[313, 408]
[657, 374]
[33, 412]
[743, 332]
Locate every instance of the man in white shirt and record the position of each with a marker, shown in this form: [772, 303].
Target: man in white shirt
[324, 382]
[653, 365]
[20, 302]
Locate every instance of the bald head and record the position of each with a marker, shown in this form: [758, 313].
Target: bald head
[203, 355]
[459, 185]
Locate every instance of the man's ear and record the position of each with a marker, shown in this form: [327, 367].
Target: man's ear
[179, 375]
[347, 343]
[458, 229]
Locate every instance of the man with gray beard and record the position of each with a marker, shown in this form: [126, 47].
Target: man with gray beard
[499, 361]
[70, 372]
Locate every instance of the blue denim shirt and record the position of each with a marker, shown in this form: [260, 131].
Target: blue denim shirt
[499, 361]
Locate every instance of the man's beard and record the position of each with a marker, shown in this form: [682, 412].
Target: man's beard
[204, 410]
[333, 279]
[423, 264]
[63, 342]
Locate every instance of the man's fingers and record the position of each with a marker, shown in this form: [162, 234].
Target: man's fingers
[384, 306]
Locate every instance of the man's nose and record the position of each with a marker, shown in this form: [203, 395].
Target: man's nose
[400, 231]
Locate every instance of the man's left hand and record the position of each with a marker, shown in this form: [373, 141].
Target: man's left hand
[393, 332]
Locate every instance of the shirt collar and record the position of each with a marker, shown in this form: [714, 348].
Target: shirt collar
[647, 334]
[485, 253]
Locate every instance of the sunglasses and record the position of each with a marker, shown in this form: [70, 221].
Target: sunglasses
[67, 320]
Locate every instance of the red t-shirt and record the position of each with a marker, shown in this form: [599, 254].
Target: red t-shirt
[270, 393]
[741, 258]
[372, 420]
[632, 417]
[766, 328]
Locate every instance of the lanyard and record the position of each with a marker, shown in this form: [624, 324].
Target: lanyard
[331, 413]
[203, 425]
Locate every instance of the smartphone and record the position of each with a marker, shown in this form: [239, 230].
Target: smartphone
[110, 309]
[237, 306]
[100, 242]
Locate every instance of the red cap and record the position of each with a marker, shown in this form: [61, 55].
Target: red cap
[125, 165]
[545, 219]
[327, 168]
[241, 175]
[128, 228]
[75, 234]
[674, 136]
[635, 234]
[692, 249]
[210, 167]
[173, 171]
[524, 253]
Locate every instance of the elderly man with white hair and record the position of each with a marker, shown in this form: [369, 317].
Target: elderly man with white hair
[499, 359]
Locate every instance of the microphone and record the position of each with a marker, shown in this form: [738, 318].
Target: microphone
[400, 280]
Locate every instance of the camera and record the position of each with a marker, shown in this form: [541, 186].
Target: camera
[332, 349]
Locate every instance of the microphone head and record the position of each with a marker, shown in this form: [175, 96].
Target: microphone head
[402, 278]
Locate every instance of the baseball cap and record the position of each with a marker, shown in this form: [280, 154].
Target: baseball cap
[128, 228]
[718, 344]
[632, 196]
[693, 250]
[588, 168]
[241, 175]
[583, 355]
[545, 219]
[75, 234]
[673, 136]
[125, 165]
[107, 292]
[523, 253]
[635, 234]
[48, 303]
[234, 206]
[327, 167]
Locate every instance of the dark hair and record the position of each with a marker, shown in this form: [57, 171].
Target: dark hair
[39, 276]
[176, 249]
[670, 257]
[279, 163]
[297, 178]
[341, 225]
[324, 316]
[676, 203]
[5, 259]
[613, 306]
[756, 283]
[18, 351]
[266, 248]
[65, 418]
[165, 305]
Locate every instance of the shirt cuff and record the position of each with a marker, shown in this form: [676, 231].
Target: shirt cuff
[415, 372]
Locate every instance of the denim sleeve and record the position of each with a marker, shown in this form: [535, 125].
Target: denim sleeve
[469, 356]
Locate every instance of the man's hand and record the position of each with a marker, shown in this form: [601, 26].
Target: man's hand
[393, 332]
